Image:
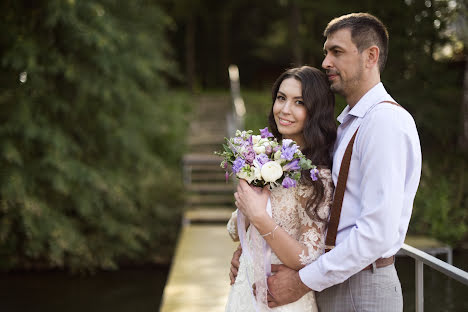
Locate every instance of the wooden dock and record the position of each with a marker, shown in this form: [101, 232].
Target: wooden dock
[199, 276]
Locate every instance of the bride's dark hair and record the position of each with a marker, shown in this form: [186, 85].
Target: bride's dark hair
[319, 127]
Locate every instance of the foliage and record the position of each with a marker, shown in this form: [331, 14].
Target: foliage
[89, 160]
[441, 193]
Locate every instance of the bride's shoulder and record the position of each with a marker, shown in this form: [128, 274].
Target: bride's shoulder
[325, 173]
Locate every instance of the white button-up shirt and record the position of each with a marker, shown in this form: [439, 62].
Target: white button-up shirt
[382, 182]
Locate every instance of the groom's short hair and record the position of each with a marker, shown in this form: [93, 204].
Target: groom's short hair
[366, 30]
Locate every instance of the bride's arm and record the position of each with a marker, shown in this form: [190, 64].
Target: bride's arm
[294, 254]
[232, 226]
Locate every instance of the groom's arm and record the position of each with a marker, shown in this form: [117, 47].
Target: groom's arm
[389, 166]
[235, 264]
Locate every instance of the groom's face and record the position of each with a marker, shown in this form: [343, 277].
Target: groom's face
[343, 62]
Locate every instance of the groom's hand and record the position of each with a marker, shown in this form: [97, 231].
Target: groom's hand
[285, 286]
[235, 264]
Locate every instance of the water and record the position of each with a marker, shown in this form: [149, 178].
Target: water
[140, 290]
[127, 290]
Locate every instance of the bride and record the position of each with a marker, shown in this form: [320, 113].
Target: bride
[302, 110]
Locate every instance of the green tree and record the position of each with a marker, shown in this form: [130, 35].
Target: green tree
[90, 139]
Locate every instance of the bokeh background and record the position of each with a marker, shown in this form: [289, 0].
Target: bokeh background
[96, 97]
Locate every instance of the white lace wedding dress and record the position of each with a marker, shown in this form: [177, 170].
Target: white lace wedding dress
[288, 210]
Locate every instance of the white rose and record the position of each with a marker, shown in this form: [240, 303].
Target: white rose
[271, 171]
[256, 138]
[259, 149]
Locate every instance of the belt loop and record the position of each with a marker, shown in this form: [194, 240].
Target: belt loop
[374, 267]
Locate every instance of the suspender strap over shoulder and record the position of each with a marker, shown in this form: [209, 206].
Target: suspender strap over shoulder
[332, 231]
[339, 194]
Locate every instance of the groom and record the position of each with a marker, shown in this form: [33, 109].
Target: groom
[359, 273]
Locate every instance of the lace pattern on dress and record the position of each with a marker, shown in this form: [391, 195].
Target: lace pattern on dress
[289, 212]
[232, 227]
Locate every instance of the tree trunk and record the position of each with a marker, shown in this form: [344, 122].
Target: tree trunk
[294, 24]
[225, 43]
[463, 138]
[190, 52]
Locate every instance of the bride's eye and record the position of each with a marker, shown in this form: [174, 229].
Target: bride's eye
[280, 98]
[299, 102]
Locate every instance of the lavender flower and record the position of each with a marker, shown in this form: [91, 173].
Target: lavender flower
[287, 151]
[238, 140]
[238, 164]
[249, 155]
[226, 175]
[293, 165]
[262, 159]
[313, 174]
[268, 149]
[264, 133]
[286, 142]
[288, 182]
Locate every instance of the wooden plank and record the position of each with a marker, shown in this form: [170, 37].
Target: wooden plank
[198, 279]
[215, 214]
[213, 188]
[219, 199]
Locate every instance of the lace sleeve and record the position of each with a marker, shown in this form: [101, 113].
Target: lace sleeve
[312, 232]
[232, 227]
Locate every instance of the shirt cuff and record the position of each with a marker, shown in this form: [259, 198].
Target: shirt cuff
[312, 277]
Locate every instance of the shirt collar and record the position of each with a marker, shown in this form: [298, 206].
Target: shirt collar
[365, 103]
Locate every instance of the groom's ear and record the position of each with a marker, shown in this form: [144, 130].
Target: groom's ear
[372, 56]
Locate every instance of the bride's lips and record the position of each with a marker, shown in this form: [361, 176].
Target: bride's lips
[284, 122]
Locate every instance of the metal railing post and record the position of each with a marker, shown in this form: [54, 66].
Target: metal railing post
[422, 258]
[419, 294]
[236, 119]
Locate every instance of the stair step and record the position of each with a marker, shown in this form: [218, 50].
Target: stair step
[201, 159]
[211, 188]
[208, 214]
[210, 199]
[210, 176]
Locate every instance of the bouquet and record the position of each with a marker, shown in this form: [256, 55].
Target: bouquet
[261, 160]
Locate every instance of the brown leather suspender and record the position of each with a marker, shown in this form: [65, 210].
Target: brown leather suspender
[339, 192]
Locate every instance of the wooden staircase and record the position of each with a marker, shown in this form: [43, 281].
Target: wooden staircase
[209, 197]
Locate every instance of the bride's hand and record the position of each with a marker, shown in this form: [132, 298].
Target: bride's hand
[251, 201]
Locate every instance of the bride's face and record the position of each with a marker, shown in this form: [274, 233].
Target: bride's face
[289, 110]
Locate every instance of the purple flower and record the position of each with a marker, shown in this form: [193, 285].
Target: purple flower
[288, 182]
[268, 150]
[238, 140]
[264, 133]
[293, 165]
[262, 159]
[238, 164]
[313, 174]
[249, 155]
[226, 175]
[276, 148]
[287, 152]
